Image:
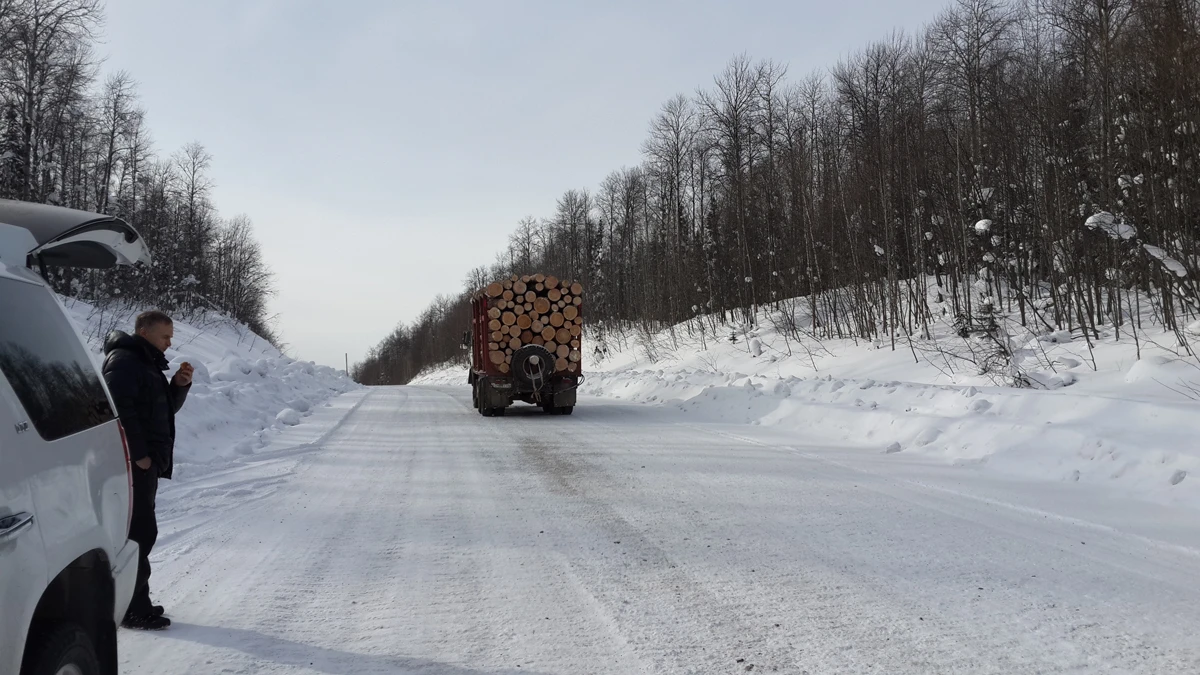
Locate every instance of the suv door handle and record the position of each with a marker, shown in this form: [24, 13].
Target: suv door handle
[11, 526]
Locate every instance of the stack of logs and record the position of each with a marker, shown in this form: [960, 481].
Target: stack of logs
[538, 310]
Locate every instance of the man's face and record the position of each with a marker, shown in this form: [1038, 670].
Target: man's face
[159, 335]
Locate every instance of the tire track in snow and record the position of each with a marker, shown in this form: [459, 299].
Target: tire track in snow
[1016, 619]
[391, 550]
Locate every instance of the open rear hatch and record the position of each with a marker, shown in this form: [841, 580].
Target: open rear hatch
[65, 237]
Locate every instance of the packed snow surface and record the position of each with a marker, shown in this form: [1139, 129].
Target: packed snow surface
[411, 535]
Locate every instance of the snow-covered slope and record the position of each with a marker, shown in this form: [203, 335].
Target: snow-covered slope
[444, 375]
[245, 392]
[1098, 414]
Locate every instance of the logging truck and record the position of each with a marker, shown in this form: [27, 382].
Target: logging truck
[526, 344]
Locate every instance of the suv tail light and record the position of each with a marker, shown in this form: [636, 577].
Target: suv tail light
[128, 477]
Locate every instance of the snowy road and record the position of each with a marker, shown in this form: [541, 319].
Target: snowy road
[418, 537]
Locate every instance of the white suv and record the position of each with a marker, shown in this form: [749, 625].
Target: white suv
[67, 568]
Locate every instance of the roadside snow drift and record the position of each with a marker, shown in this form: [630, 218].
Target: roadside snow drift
[244, 391]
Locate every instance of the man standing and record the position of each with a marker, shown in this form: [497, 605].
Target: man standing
[146, 403]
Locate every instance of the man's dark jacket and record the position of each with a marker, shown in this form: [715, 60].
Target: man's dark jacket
[146, 401]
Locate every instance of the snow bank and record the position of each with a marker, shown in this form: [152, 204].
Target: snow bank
[1097, 413]
[1147, 448]
[244, 391]
[444, 375]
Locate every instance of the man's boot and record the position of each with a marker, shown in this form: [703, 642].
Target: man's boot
[146, 622]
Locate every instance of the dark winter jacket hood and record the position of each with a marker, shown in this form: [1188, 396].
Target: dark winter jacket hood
[119, 339]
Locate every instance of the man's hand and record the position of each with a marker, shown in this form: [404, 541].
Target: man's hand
[143, 464]
[184, 376]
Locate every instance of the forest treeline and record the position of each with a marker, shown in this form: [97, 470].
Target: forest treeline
[1036, 158]
[70, 136]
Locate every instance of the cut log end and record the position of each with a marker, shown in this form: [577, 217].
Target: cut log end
[535, 310]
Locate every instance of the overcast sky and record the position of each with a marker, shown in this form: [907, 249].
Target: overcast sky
[383, 148]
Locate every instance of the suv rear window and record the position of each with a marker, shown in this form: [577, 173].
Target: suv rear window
[46, 365]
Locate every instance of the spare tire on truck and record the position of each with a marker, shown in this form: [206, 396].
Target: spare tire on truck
[532, 366]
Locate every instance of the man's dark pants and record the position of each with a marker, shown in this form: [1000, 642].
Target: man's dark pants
[143, 529]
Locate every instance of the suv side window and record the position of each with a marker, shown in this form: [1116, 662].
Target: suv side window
[47, 365]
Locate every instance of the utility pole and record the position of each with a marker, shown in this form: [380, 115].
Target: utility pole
[347, 364]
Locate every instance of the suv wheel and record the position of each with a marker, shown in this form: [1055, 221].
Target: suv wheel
[64, 650]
